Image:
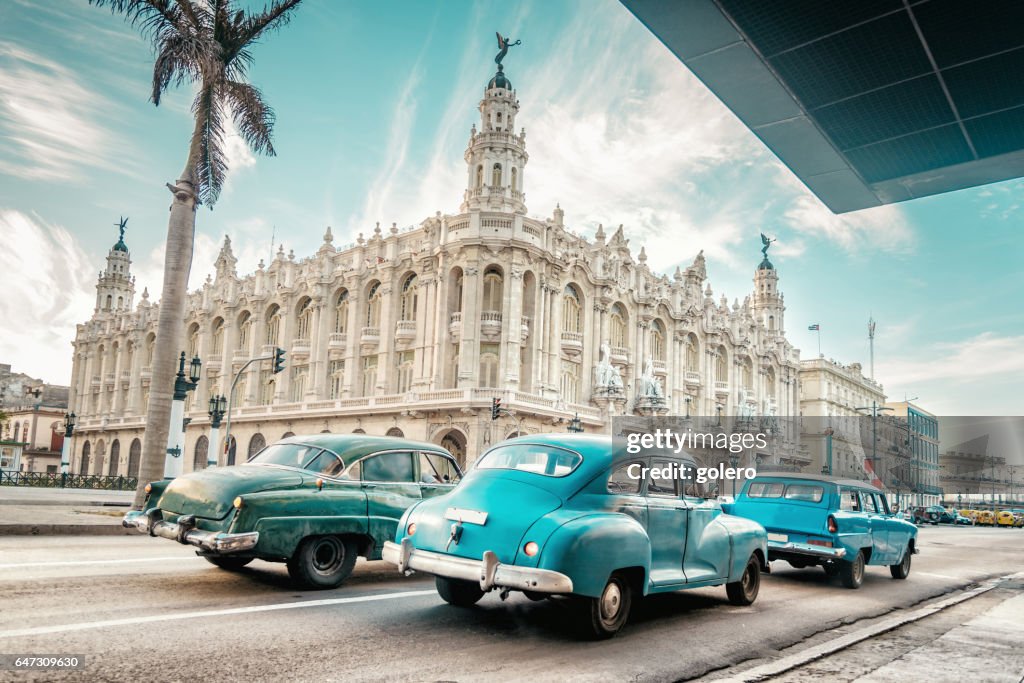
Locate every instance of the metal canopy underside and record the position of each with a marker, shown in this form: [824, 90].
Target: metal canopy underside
[869, 102]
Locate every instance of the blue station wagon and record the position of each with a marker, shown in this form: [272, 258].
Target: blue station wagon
[840, 524]
[576, 515]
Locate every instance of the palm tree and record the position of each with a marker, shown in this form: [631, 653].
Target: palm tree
[204, 43]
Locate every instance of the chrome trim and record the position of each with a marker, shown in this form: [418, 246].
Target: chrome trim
[794, 548]
[467, 516]
[489, 572]
[210, 541]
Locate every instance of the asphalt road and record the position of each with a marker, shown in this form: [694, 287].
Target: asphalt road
[141, 608]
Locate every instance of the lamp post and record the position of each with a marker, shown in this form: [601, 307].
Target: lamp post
[173, 463]
[875, 410]
[827, 469]
[218, 406]
[65, 449]
[575, 426]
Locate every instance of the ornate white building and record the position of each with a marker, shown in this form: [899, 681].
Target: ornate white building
[414, 332]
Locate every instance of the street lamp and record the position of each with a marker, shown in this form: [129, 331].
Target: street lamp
[718, 408]
[65, 449]
[173, 464]
[688, 399]
[218, 406]
[827, 469]
[575, 426]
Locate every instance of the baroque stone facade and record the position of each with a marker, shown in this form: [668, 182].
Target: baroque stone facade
[415, 331]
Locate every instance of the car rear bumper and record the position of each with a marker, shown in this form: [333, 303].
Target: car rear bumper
[184, 532]
[489, 572]
[784, 550]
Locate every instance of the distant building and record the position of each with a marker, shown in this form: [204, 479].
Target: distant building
[969, 474]
[924, 447]
[41, 429]
[19, 392]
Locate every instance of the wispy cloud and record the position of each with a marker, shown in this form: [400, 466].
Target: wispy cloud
[54, 125]
[47, 286]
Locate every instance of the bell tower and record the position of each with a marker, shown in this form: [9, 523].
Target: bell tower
[767, 301]
[115, 288]
[496, 155]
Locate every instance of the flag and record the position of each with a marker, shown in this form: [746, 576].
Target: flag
[813, 328]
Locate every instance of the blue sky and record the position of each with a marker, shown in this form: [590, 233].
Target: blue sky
[374, 102]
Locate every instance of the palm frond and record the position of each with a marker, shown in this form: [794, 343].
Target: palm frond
[179, 59]
[211, 164]
[273, 17]
[151, 17]
[253, 118]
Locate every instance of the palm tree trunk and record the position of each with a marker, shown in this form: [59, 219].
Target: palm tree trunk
[170, 325]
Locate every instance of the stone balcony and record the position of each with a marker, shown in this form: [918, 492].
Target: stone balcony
[239, 355]
[146, 372]
[691, 378]
[659, 367]
[369, 338]
[572, 343]
[300, 348]
[490, 325]
[455, 327]
[213, 362]
[268, 350]
[748, 396]
[620, 355]
[405, 331]
[108, 378]
[336, 343]
[721, 388]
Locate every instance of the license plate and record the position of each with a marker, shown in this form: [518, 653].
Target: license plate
[466, 516]
[779, 538]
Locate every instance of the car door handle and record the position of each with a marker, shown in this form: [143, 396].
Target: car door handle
[369, 486]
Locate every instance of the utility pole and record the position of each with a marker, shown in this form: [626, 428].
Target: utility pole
[871, 344]
[875, 410]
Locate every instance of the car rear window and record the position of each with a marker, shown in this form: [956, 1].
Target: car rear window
[807, 492]
[766, 489]
[549, 461]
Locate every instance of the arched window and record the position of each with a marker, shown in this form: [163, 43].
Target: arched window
[570, 383]
[305, 319]
[721, 364]
[746, 373]
[232, 450]
[287, 435]
[256, 444]
[395, 431]
[572, 309]
[273, 326]
[771, 322]
[405, 368]
[109, 300]
[492, 291]
[769, 380]
[115, 458]
[617, 328]
[515, 178]
[244, 330]
[489, 362]
[202, 452]
[17, 431]
[409, 287]
[150, 344]
[479, 176]
[692, 353]
[218, 336]
[373, 305]
[193, 341]
[341, 313]
[267, 391]
[120, 302]
[86, 450]
[496, 175]
[658, 340]
[134, 457]
[455, 443]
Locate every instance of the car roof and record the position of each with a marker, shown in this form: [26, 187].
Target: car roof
[841, 481]
[351, 446]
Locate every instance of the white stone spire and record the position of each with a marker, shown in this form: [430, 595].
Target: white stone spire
[115, 287]
[496, 155]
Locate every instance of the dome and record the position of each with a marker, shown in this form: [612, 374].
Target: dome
[499, 80]
[121, 246]
[766, 265]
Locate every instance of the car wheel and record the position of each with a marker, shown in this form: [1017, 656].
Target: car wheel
[457, 592]
[852, 572]
[902, 570]
[322, 562]
[609, 612]
[744, 591]
[231, 564]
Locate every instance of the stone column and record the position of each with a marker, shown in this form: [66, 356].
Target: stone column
[426, 319]
[469, 348]
[353, 369]
[512, 330]
[316, 383]
[555, 338]
[135, 382]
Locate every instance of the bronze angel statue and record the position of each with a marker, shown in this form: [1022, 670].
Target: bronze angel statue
[121, 225]
[503, 46]
[767, 243]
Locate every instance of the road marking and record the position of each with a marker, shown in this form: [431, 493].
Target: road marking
[940, 576]
[132, 621]
[77, 563]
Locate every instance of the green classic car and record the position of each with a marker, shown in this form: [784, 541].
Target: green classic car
[313, 502]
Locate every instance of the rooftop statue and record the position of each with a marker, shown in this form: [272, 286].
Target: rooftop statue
[767, 243]
[121, 225]
[503, 46]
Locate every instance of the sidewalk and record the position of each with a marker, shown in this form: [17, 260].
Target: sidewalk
[30, 511]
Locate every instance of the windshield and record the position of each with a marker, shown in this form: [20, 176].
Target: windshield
[299, 455]
[549, 461]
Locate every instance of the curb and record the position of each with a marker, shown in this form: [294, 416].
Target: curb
[64, 530]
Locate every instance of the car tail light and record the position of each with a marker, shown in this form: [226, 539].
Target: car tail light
[411, 529]
[319, 484]
[237, 502]
[824, 544]
[531, 549]
[832, 526]
[149, 488]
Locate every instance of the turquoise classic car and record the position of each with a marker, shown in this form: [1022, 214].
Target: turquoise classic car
[840, 524]
[313, 502]
[576, 515]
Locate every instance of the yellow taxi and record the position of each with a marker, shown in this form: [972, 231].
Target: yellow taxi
[1005, 518]
[971, 515]
[985, 518]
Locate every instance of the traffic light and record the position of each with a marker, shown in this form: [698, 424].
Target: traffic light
[278, 360]
[495, 408]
